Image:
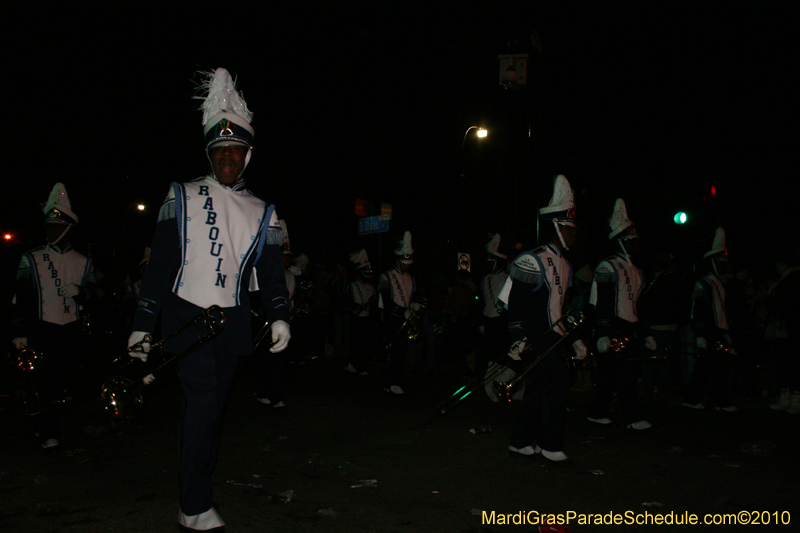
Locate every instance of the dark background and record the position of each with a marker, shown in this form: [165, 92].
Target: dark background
[653, 104]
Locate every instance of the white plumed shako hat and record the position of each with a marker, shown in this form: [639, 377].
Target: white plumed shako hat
[493, 246]
[562, 204]
[718, 247]
[621, 226]
[58, 209]
[361, 261]
[403, 249]
[226, 117]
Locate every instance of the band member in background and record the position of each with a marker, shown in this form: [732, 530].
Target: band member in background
[615, 291]
[493, 321]
[534, 293]
[783, 330]
[212, 236]
[710, 326]
[362, 299]
[396, 288]
[53, 283]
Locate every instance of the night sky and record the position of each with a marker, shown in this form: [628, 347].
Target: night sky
[652, 104]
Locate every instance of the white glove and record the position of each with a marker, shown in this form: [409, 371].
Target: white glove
[70, 290]
[20, 342]
[702, 343]
[650, 343]
[580, 350]
[139, 352]
[280, 336]
[602, 344]
[415, 306]
[516, 349]
[407, 313]
[482, 329]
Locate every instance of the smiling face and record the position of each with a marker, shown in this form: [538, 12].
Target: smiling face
[228, 162]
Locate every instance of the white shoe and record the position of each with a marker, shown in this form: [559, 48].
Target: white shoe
[794, 406]
[265, 401]
[555, 457]
[640, 425]
[730, 409]
[527, 450]
[50, 443]
[395, 389]
[279, 404]
[602, 421]
[203, 521]
[350, 368]
[693, 405]
[783, 402]
[363, 373]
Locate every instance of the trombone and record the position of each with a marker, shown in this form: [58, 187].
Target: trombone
[122, 397]
[412, 332]
[568, 323]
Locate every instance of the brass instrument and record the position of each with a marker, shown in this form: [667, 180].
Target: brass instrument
[571, 319]
[619, 346]
[302, 298]
[618, 342]
[27, 360]
[411, 324]
[262, 333]
[122, 397]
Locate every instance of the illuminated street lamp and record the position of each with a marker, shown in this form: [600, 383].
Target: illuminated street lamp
[481, 133]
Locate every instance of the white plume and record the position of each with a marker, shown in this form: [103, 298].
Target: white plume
[221, 96]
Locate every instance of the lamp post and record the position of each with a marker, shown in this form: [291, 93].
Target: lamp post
[481, 133]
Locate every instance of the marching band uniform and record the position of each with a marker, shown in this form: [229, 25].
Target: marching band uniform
[710, 326]
[534, 293]
[273, 367]
[785, 334]
[51, 288]
[396, 288]
[213, 236]
[362, 295]
[615, 292]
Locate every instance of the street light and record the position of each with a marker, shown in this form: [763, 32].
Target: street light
[481, 133]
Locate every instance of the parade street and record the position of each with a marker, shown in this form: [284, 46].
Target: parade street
[343, 457]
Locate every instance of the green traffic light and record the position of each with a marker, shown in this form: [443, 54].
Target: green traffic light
[680, 218]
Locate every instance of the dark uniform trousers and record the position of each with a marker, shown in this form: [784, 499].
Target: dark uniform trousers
[398, 351]
[59, 347]
[617, 374]
[542, 415]
[206, 376]
[711, 370]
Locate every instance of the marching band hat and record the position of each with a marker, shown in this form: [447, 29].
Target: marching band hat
[561, 208]
[403, 249]
[226, 118]
[621, 226]
[718, 247]
[361, 262]
[494, 245]
[57, 209]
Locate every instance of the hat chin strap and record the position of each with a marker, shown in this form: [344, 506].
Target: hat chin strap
[624, 251]
[560, 237]
[60, 236]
